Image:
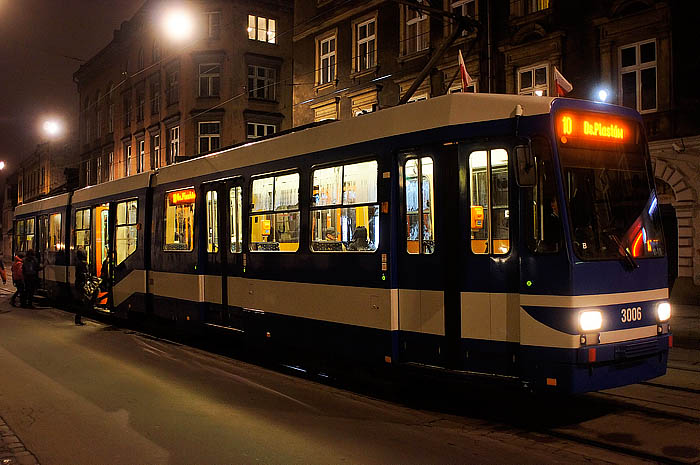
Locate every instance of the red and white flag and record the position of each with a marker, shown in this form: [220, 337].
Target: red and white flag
[563, 86]
[466, 78]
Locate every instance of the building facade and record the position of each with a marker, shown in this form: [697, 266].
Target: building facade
[361, 56]
[147, 101]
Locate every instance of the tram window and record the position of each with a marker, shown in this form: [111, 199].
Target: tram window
[420, 222]
[20, 244]
[55, 233]
[489, 212]
[542, 217]
[212, 222]
[127, 233]
[236, 207]
[29, 238]
[344, 208]
[274, 219]
[82, 231]
[179, 220]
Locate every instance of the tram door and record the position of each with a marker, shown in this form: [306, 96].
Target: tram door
[103, 264]
[427, 255]
[489, 280]
[42, 246]
[221, 247]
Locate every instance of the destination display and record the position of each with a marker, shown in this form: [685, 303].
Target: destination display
[590, 127]
[182, 197]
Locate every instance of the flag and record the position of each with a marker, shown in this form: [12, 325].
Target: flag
[563, 86]
[466, 78]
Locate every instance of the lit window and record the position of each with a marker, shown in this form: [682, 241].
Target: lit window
[344, 208]
[490, 215]
[212, 222]
[262, 29]
[261, 82]
[127, 229]
[82, 231]
[55, 232]
[209, 136]
[256, 130]
[179, 220]
[533, 80]
[638, 81]
[141, 161]
[209, 79]
[531, 6]
[420, 212]
[274, 219]
[236, 220]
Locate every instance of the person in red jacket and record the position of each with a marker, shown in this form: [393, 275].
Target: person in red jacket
[17, 279]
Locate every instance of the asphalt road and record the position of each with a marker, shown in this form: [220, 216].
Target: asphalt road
[99, 394]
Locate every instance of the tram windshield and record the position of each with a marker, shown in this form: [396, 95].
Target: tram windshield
[610, 194]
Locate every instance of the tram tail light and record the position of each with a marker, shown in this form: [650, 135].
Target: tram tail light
[663, 311]
[590, 320]
[591, 355]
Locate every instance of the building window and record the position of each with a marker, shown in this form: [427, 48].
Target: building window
[637, 78]
[141, 102]
[140, 59]
[464, 8]
[262, 29]
[416, 35]
[274, 218]
[127, 111]
[344, 208]
[213, 24]
[110, 118]
[261, 82]
[86, 112]
[364, 103]
[127, 229]
[155, 96]
[172, 90]
[534, 80]
[325, 111]
[127, 159]
[99, 169]
[532, 6]
[326, 60]
[209, 136]
[209, 79]
[155, 147]
[88, 179]
[110, 166]
[365, 45]
[179, 220]
[141, 160]
[155, 52]
[256, 130]
[174, 144]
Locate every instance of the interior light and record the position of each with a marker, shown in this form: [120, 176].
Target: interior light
[590, 320]
[663, 311]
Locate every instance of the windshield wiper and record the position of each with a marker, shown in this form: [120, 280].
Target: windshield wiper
[625, 254]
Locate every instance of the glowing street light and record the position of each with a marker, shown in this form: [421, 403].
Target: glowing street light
[52, 127]
[2, 165]
[602, 95]
[178, 25]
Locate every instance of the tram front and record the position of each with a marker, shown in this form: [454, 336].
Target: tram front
[615, 312]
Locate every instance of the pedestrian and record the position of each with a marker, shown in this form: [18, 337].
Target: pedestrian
[82, 275]
[17, 280]
[30, 271]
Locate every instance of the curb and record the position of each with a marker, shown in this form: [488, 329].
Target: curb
[12, 451]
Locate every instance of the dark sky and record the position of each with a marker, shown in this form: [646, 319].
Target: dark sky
[36, 77]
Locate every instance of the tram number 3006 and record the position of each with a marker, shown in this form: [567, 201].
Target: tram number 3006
[631, 314]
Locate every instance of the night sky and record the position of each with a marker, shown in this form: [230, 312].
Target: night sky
[42, 43]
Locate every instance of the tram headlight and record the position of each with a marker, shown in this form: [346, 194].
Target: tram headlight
[590, 320]
[663, 311]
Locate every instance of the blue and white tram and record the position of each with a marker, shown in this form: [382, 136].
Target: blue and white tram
[510, 236]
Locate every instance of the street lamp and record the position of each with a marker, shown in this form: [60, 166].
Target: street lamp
[2, 165]
[52, 127]
[178, 24]
[602, 95]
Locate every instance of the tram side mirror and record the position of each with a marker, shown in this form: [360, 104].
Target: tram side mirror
[526, 166]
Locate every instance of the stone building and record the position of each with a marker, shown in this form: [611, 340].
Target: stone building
[360, 56]
[147, 101]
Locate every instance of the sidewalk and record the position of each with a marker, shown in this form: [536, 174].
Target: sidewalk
[12, 451]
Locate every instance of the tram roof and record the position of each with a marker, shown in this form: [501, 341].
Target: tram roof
[48, 203]
[437, 112]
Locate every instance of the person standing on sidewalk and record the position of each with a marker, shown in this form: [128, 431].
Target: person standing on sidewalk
[17, 279]
[30, 271]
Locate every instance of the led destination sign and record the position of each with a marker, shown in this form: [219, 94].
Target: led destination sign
[182, 197]
[591, 127]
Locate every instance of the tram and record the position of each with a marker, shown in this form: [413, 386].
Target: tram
[506, 236]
